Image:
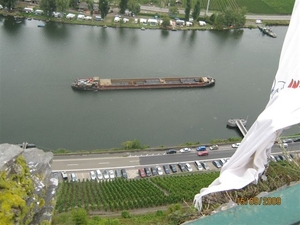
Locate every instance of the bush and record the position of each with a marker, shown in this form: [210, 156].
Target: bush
[125, 214]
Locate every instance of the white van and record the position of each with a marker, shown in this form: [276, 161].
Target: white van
[38, 12]
[202, 23]
[28, 10]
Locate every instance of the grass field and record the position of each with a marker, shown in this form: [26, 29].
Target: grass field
[252, 6]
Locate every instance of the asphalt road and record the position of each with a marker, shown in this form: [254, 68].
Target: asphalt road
[126, 160]
[202, 13]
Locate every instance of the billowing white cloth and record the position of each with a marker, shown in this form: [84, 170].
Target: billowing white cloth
[282, 111]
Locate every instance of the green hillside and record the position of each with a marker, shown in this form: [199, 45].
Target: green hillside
[253, 6]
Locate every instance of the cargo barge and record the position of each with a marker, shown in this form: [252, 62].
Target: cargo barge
[97, 84]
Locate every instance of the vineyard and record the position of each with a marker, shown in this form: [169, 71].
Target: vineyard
[252, 6]
[219, 5]
[121, 194]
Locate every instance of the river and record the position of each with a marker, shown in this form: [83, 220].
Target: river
[38, 65]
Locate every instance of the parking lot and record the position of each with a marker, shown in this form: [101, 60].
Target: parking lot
[132, 173]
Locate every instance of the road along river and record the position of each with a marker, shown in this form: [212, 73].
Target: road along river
[83, 164]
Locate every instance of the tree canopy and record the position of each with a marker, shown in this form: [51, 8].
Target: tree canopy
[187, 10]
[196, 11]
[134, 6]
[48, 6]
[104, 8]
[230, 18]
[9, 3]
[62, 5]
[123, 6]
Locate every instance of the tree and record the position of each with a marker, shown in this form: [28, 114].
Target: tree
[62, 5]
[123, 6]
[165, 21]
[48, 6]
[104, 8]
[196, 11]
[9, 3]
[73, 4]
[79, 216]
[187, 10]
[234, 18]
[173, 10]
[219, 21]
[134, 6]
[90, 4]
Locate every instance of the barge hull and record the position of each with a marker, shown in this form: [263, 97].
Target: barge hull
[96, 84]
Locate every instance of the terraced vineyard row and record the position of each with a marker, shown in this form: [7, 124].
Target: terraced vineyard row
[120, 194]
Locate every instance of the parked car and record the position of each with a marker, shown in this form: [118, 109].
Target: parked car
[198, 165]
[111, 174]
[99, 175]
[185, 150]
[214, 147]
[277, 158]
[235, 145]
[205, 166]
[118, 173]
[182, 167]
[166, 169]
[93, 175]
[171, 151]
[222, 162]
[147, 172]
[64, 175]
[173, 168]
[188, 167]
[124, 173]
[154, 171]
[142, 173]
[282, 157]
[105, 174]
[159, 170]
[98, 18]
[55, 175]
[74, 177]
[272, 158]
[217, 164]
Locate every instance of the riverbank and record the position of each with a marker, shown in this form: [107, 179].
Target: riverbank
[109, 20]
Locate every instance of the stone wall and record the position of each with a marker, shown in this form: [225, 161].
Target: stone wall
[27, 185]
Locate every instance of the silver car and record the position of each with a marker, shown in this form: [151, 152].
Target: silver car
[93, 175]
[159, 170]
[111, 174]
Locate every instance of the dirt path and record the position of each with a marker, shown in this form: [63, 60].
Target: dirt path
[131, 211]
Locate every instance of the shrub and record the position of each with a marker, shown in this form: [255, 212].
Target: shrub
[125, 214]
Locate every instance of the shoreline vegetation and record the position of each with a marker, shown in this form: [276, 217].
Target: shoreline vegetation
[108, 21]
[136, 146]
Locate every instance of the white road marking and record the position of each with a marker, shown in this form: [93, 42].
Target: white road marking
[72, 164]
[104, 163]
[134, 161]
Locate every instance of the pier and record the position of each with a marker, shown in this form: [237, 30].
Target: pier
[239, 123]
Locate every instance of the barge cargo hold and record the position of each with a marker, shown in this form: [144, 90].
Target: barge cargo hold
[97, 84]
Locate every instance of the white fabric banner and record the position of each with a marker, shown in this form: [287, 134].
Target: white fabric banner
[282, 111]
